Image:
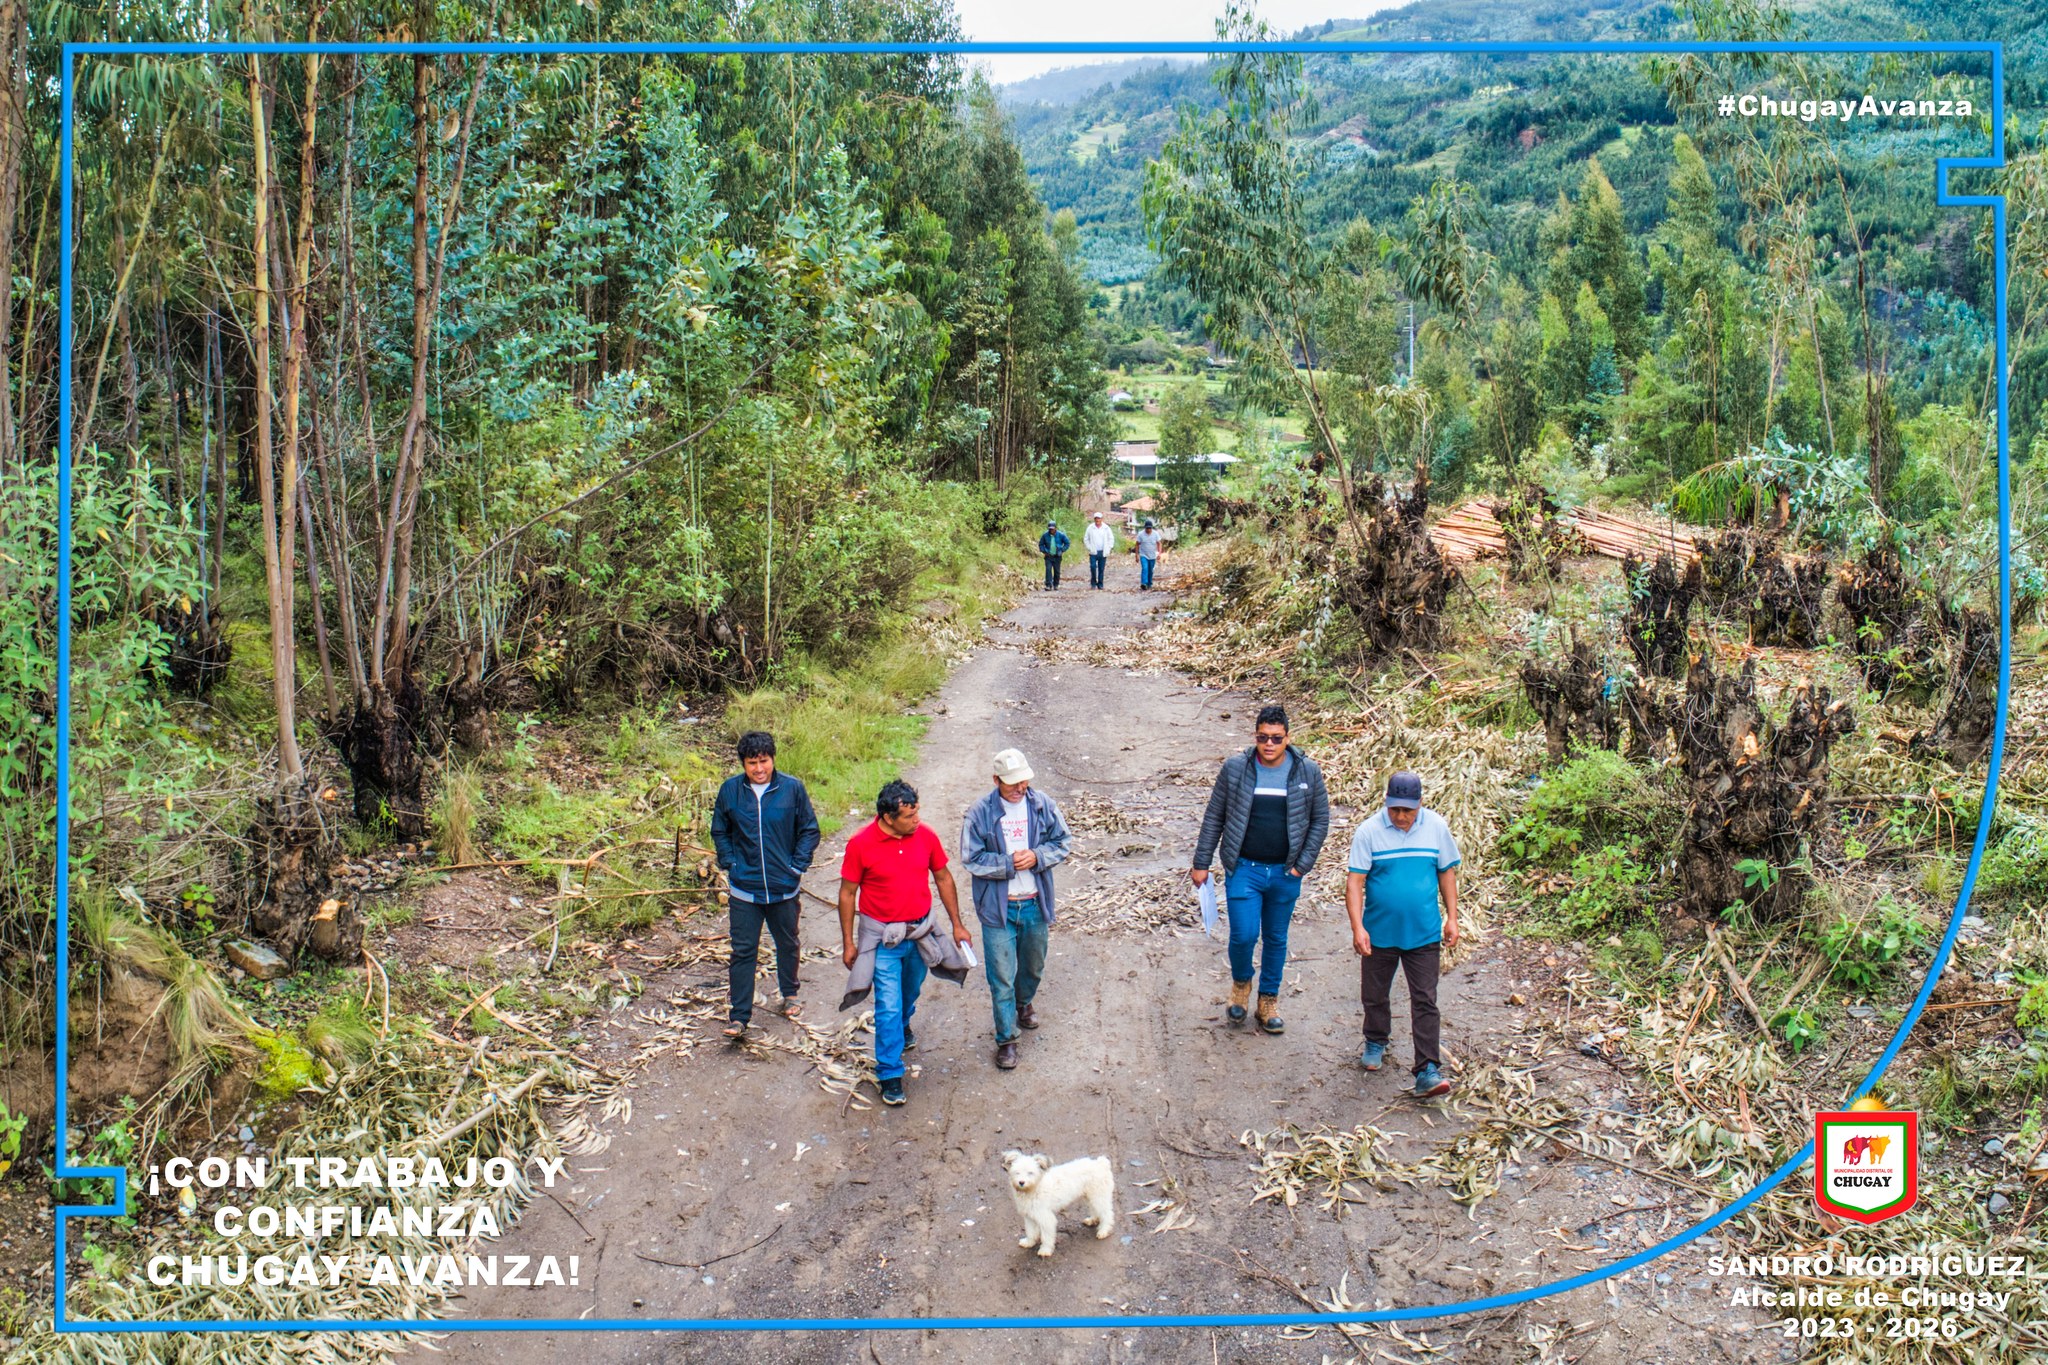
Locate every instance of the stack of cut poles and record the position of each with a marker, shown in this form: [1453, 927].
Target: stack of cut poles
[1470, 531]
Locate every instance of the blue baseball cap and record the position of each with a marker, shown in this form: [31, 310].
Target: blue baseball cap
[1404, 790]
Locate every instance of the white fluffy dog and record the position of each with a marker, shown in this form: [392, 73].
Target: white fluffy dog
[1042, 1189]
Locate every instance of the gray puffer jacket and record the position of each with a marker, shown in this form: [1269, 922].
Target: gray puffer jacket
[1230, 811]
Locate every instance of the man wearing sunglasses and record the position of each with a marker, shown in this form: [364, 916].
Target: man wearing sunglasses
[1268, 815]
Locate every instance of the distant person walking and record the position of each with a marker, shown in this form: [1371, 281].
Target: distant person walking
[1010, 842]
[1268, 815]
[887, 876]
[1100, 540]
[1052, 545]
[765, 834]
[1402, 896]
[1149, 544]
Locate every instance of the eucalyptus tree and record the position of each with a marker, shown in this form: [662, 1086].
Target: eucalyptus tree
[1222, 206]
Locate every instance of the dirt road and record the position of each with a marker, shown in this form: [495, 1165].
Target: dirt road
[900, 1212]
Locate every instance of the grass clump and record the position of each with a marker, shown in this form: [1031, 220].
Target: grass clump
[341, 1033]
[203, 1026]
[456, 812]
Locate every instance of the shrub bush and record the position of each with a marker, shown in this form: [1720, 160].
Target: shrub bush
[1599, 797]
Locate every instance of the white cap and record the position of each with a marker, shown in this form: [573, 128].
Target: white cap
[1011, 767]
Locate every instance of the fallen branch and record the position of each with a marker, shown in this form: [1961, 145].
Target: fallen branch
[463, 1079]
[699, 1265]
[492, 1103]
[1971, 1004]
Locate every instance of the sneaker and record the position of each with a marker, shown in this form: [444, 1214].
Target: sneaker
[1374, 1057]
[909, 1040]
[892, 1090]
[1431, 1082]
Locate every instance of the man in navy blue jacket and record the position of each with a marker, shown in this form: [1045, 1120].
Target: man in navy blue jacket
[1052, 545]
[765, 832]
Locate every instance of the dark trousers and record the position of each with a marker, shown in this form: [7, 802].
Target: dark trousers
[1422, 966]
[1052, 571]
[747, 919]
[1098, 567]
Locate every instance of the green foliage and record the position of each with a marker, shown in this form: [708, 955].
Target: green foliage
[342, 1032]
[1183, 420]
[1596, 797]
[130, 550]
[1862, 954]
[1798, 1028]
[1595, 819]
[2033, 1006]
[112, 1145]
[196, 901]
[1950, 1091]
[2017, 864]
[1828, 494]
[1758, 875]
[12, 1126]
[1606, 886]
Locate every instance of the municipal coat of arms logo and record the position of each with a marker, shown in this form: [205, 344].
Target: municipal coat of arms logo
[1866, 1163]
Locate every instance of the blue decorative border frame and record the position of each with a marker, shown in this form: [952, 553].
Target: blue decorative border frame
[119, 1175]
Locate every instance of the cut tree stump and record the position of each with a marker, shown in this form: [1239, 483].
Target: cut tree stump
[287, 892]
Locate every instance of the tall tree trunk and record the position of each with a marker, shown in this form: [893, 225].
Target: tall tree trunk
[352, 306]
[295, 373]
[156, 172]
[391, 637]
[13, 138]
[167, 363]
[277, 537]
[131, 377]
[217, 395]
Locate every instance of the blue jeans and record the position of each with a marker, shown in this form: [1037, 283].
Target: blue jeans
[1260, 898]
[1014, 963]
[899, 976]
[1145, 571]
[1098, 569]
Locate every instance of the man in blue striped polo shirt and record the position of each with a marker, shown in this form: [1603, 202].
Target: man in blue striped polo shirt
[1402, 895]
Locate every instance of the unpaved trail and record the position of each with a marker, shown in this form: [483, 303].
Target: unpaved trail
[901, 1212]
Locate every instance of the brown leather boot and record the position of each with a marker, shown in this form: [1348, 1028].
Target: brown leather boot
[1240, 996]
[1269, 1020]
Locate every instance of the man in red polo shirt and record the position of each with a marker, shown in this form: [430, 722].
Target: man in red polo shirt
[890, 868]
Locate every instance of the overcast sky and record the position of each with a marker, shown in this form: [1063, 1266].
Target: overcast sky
[1133, 21]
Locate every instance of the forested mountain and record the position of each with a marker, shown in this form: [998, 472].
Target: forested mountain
[1522, 135]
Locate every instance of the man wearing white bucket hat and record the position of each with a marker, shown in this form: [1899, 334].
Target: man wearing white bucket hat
[1010, 842]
